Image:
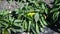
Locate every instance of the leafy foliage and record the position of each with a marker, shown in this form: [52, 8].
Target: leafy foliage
[31, 17]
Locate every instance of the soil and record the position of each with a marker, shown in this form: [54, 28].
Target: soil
[48, 30]
[8, 5]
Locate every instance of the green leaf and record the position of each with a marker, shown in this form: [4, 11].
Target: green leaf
[13, 30]
[17, 30]
[5, 24]
[55, 16]
[33, 30]
[43, 6]
[41, 23]
[25, 25]
[6, 12]
[5, 31]
[18, 21]
[43, 20]
[9, 31]
[42, 30]
[37, 28]
[11, 19]
[46, 11]
[17, 24]
[29, 26]
[36, 17]
[54, 10]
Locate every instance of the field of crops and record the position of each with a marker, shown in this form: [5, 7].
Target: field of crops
[29, 16]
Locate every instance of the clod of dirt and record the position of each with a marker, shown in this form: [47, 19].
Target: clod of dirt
[48, 2]
[12, 6]
[3, 4]
[9, 6]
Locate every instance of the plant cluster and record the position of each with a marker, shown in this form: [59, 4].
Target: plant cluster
[31, 17]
